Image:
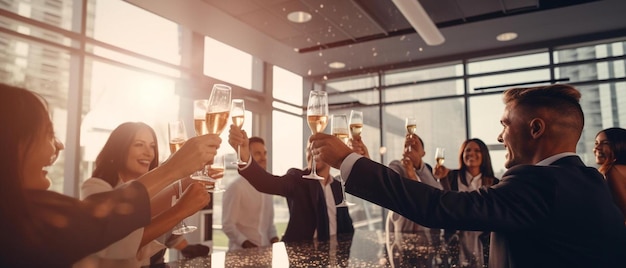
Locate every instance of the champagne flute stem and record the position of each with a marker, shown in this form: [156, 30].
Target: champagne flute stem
[239, 153]
[180, 188]
[180, 194]
[343, 188]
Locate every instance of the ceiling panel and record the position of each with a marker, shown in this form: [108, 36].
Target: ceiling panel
[372, 35]
[266, 22]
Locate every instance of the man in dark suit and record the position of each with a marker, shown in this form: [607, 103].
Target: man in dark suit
[549, 210]
[312, 203]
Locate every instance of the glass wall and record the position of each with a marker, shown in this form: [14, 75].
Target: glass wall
[452, 105]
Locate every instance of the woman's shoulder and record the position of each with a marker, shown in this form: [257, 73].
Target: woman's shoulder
[617, 172]
[94, 185]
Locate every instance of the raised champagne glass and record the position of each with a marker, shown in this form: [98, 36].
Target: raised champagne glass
[177, 137]
[199, 118]
[217, 114]
[411, 126]
[317, 118]
[339, 129]
[440, 156]
[237, 113]
[356, 123]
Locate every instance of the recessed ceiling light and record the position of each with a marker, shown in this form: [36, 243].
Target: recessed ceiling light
[337, 65]
[299, 16]
[506, 36]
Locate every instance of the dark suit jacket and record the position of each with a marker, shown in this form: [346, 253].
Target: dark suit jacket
[559, 215]
[302, 199]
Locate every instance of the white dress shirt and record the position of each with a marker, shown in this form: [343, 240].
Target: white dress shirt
[331, 208]
[247, 214]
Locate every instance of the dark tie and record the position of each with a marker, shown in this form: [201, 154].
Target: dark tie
[322, 219]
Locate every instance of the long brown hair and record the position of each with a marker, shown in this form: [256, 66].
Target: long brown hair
[23, 116]
[112, 158]
[617, 144]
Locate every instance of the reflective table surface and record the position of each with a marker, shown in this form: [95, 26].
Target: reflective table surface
[363, 249]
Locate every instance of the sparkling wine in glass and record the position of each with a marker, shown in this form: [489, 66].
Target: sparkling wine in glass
[177, 137]
[199, 118]
[237, 113]
[217, 115]
[218, 109]
[218, 167]
[440, 156]
[317, 118]
[356, 123]
[339, 129]
[411, 127]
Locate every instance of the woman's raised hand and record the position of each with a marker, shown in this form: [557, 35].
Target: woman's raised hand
[193, 155]
[194, 198]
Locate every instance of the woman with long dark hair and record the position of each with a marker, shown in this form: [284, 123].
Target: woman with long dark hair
[41, 228]
[610, 152]
[474, 171]
[131, 151]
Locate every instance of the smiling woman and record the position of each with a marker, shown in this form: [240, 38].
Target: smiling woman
[610, 152]
[130, 152]
[54, 227]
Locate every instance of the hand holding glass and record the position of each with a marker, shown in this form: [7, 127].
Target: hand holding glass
[177, 137]
[317, 117]
[237, 113]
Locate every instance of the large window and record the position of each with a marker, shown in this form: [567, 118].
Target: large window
[45, 70]
[227, 63]
[440, 96]
[146, 33]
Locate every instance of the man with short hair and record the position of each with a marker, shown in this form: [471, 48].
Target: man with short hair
[412, 166]
[549, 210]
[247, 214]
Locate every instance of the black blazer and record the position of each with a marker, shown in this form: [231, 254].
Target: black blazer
[559, 215]
[303, 199]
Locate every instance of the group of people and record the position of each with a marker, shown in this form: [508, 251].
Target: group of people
[548, 209]
[462, 248]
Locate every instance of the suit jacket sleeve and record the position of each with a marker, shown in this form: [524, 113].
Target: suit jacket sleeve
[62, 222]
[515, 203]
[125, 248]
[265, 182]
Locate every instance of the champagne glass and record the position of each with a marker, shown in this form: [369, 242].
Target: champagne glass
[218, 167]
[317, 117]
[411, 127]
[199, 118]
[339, 129]
[440, 156]
[217, 113]
[356, 123]
[237, 113]
[177, 137]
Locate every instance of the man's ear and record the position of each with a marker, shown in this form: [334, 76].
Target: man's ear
[537, 127]
[423, 154]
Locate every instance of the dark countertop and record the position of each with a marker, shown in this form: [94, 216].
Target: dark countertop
[363, 249]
